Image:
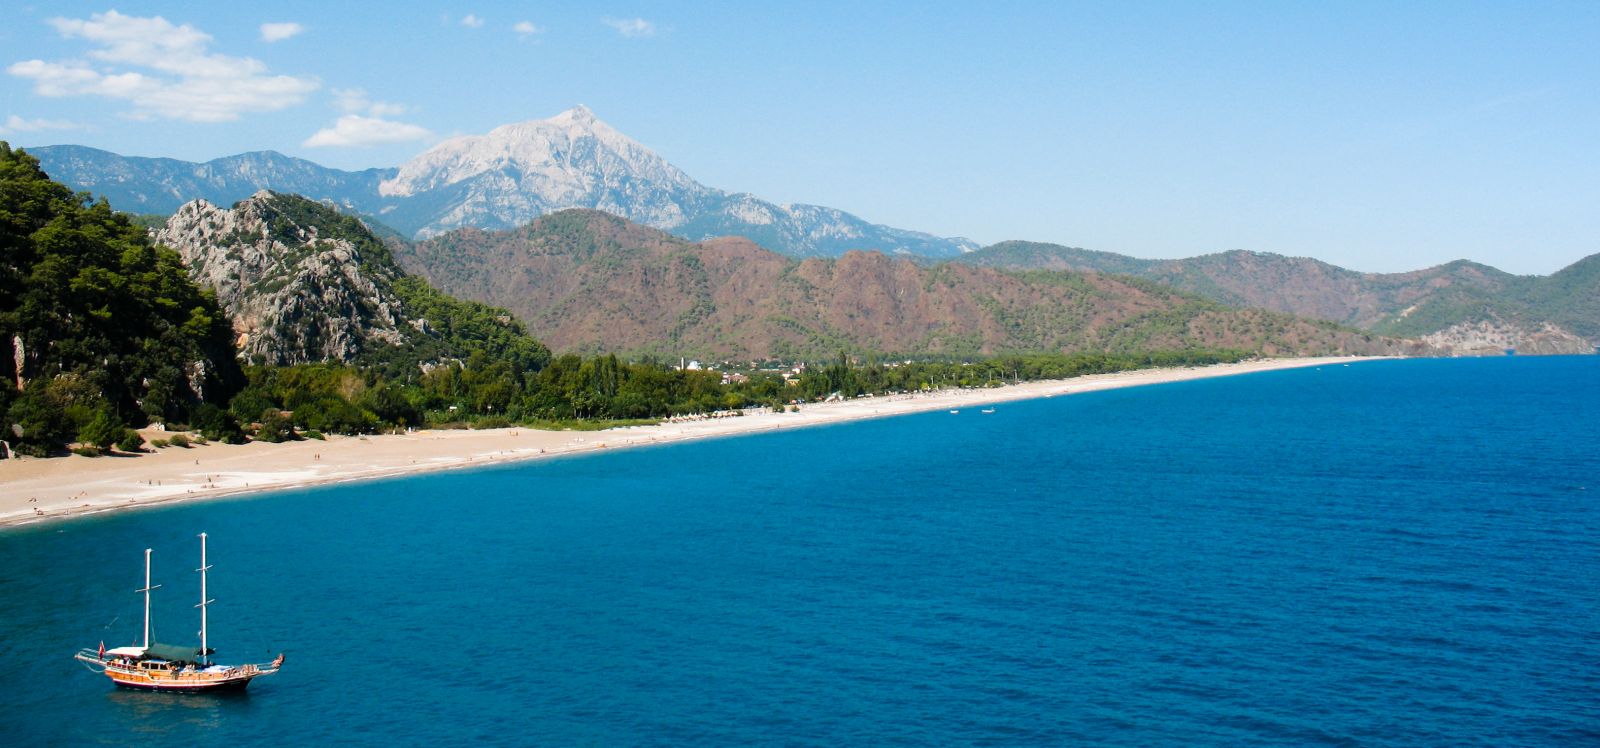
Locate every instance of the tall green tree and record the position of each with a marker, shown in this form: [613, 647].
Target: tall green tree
[86, 297]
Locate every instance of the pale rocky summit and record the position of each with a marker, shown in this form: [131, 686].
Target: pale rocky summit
[499, 180]
[294, 296]
[519, 172]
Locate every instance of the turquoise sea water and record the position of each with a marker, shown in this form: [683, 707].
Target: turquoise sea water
[1386, 554]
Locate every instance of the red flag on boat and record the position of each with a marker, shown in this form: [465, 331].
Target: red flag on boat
[102, 650]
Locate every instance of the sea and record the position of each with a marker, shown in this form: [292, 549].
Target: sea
[1385, 553]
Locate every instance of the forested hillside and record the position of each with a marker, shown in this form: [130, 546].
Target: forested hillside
[589, 281]
[98, 326]
[280, 318]
[1462, 306]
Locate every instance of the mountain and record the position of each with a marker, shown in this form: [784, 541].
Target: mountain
[1570, 297]
[499, 180]
[160, 185]
[588, 281]
[519, 172]
[304, 283]
[1463, 306]
[295, 295]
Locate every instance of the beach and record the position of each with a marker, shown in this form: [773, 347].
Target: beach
[51, 489]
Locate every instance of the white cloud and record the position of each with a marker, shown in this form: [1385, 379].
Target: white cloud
[526, 29]
[14, 123]
[355, 101]
[631, 27]
[180, 77]
[354, 130]
[277, 32]
[472, 22]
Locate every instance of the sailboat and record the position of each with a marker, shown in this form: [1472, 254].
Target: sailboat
[164, 667]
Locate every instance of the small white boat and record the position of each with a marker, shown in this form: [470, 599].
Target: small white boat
[987, 410]
[953, 412]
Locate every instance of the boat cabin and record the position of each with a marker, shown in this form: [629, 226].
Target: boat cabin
[156, 666]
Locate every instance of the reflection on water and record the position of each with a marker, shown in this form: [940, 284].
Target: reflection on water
[156, 713]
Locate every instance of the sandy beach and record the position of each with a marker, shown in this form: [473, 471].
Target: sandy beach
[37, 490]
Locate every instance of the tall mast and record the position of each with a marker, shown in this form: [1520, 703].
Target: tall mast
[204, 601]
[146, 591]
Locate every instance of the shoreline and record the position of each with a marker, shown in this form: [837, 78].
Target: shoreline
[36, 490]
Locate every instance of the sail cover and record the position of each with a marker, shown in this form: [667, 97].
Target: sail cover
[172, 653]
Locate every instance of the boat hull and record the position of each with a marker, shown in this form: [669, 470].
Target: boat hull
[162, 676]
[221, 686]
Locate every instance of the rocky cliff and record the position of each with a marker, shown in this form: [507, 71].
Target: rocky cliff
[295, 294]
[1494, 337]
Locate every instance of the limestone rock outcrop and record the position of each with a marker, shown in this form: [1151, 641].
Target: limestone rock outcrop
[295, 293]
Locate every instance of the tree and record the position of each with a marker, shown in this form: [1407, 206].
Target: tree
[275, 427]
[103, 430]
[216, 424]
[131, 441]
[85, 297]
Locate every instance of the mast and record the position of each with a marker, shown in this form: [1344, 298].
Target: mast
[204, 601]
[146, 591]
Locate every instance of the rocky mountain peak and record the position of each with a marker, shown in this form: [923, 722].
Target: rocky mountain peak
[561, 160]
[578, 116]
[297, 288]
[518, 172]
[500, 180]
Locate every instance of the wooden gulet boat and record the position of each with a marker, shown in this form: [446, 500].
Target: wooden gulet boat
[164, 667]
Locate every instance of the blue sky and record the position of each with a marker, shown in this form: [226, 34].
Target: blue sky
[1381, 136]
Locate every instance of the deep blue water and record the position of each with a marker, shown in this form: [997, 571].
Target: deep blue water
[1384, 554]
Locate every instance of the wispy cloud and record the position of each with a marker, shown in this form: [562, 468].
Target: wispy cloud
[472, 21]
[356, 101]
[277, 32]
[15, 123]
[365, 122]
[526, 29]
[1517, 98]
[354, 130]
[632, 28]
[161, 70]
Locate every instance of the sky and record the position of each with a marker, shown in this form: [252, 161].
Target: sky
[1381, 137]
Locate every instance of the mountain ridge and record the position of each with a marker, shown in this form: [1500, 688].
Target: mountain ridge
[518, 172]
[1464, 305]
[143, 184]
[589, 281]
[499, 180]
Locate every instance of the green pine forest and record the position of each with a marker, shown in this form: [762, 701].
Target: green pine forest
[101, 332]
